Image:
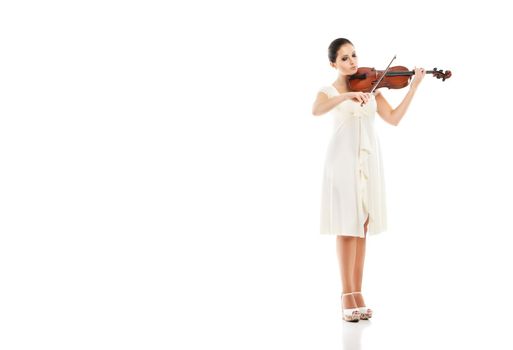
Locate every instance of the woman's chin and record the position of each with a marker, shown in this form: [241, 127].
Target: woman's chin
[352, 71]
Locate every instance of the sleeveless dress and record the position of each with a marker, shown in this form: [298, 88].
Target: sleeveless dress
[353, 185]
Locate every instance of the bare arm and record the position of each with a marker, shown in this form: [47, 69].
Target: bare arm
[394, 116]
[390, 115]
[324, 104]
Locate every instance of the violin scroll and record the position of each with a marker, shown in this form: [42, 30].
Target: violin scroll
[439, 74]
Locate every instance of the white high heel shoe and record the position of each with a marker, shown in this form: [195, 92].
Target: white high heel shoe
[350, 315]
[365, 312]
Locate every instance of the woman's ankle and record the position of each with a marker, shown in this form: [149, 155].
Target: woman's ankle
[348, 301]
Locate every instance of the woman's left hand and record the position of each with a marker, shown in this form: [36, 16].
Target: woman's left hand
[419, 75]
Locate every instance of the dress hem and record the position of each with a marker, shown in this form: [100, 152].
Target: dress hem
[350, 235]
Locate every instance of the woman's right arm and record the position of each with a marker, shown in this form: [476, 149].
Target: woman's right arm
[324, 104]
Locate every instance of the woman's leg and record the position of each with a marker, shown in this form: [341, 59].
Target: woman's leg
[358, 268]
[346, 253]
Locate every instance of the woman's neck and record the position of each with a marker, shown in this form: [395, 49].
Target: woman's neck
[342, 82]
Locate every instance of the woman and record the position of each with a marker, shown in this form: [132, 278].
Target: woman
[353, 191]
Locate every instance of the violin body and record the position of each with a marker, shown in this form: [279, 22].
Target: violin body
[396, 77]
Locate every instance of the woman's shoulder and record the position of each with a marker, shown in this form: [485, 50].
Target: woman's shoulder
[328, 90]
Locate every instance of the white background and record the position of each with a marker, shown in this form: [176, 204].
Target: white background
[160, 176]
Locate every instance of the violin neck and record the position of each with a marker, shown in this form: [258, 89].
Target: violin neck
[411, 72]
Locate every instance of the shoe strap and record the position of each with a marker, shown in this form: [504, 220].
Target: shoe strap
[352, 293]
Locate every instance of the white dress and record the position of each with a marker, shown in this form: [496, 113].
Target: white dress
[353, 184]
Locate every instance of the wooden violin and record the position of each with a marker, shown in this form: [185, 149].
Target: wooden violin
[368, 79]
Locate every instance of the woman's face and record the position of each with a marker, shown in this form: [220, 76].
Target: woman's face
[346, 62]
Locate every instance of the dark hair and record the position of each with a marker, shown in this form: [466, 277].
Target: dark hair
[334, 46]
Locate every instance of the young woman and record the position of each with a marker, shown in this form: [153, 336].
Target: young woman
[353, 190]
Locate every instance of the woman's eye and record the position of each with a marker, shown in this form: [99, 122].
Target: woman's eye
[344, 59]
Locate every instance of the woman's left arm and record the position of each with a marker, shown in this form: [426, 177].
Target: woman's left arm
[394, 116]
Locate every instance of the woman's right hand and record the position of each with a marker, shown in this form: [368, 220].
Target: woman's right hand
[358, 96]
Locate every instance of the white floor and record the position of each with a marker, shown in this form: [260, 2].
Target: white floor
[281, 291]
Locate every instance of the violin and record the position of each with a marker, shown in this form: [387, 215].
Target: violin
[369, 79]
[397, 77]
